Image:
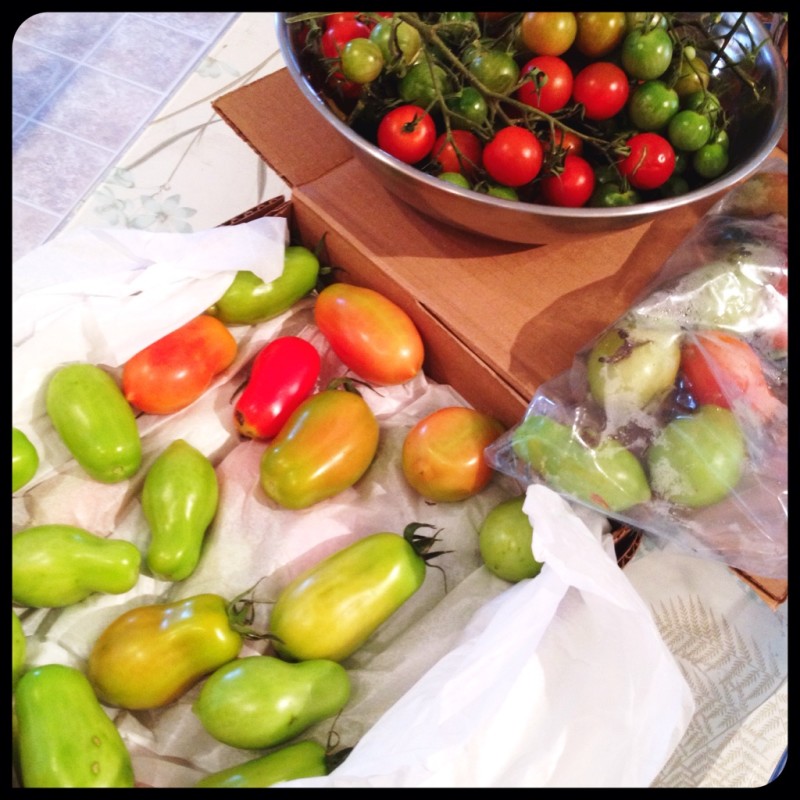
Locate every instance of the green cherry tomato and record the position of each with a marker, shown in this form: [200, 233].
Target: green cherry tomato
[249, 299]
[503, 192]
[179, 501]
[697, 460]
[607, 476]
[646, 54]
[652, 105]
[711, 160]
[24, 459]
[612, 195]
[398, 41]
[66, 739]
[19, 648]
[704, 102]
[59, 565]
[150, 655]
[630, 366]
[691, 76]
[325, 447]
[95, 422]
[362, 60]
[331, 609]
[306, 759]
[261, 701]
[421, 83]
[675, 186]
[505, 539]
[455, 178]
[495, 69]
[688, 130]
[470, 104]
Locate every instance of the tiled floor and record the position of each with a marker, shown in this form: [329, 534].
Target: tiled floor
[84, 84]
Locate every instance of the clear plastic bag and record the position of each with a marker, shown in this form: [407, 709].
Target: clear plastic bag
[674, 418]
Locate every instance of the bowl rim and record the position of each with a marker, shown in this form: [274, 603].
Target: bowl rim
[525, 209]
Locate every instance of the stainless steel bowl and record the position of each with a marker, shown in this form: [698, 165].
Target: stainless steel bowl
[755, 137]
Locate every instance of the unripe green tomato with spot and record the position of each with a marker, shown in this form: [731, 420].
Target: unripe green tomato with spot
[59, 565]
[179, 500]
[95, 422]
[65, 738]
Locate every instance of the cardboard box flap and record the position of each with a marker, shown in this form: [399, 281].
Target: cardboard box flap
[299, 145]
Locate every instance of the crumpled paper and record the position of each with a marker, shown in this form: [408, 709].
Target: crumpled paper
[561, 680]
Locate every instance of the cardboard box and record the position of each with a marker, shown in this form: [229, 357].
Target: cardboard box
[498, 319]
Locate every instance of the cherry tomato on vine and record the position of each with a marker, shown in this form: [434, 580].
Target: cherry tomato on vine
[646, 54]
[495, 69]
[692, 76]
[565, 140]
[408, 133]
[548, 33]
[599, 32]
[572, 187]
[652, 105]
[711, 160]
[362, 60]
[420, 85]
[458, 151]
[339, 31]
[456, 178]
[602, 88]
[550, 86]
[688, 130]
[513, 157]
[397, 41]
[650, 163]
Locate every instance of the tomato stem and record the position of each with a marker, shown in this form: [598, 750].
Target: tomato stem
[422, 544]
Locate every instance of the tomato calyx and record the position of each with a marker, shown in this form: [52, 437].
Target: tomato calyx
[242, 614]
[421, 543]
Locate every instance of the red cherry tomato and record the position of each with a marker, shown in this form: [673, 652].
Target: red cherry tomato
[571, 188]
[458, 151]
[283, 374]
[513, 157]
[407, 133]
[554, 85]
[566, 140]
[602, 88]
[339, 32]
[650, 163]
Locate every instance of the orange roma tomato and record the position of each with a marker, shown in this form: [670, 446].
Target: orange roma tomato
[443, 456]
[372, 335]
[174, 371]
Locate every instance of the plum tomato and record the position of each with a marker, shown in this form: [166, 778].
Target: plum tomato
[573, 186]
[458, 151]
[650, 162]
[408, 133]
[513, 157]
[24, 459]
[443, 458]
[549, 87]
[602, 88]
[505, 540]
[548, 33]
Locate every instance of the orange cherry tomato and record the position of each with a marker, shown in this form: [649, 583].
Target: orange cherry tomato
[443, 455]
[175, 370]
[372, 335]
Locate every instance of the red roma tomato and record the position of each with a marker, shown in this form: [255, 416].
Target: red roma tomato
[573, 187]
[443, 456]
[719, 368]
[549, 91]
[174, 371]
[373, 336]
[602, 88]
[650, 163]
[283, 374]
[513, 157]
[458, 151]
[407, 133]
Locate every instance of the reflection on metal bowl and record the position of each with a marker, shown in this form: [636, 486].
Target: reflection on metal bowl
[754, 135]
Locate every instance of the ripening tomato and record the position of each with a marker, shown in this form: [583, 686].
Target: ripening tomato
[650, 162]
[550, 87]
[333, 607]
[324, 447]
[284, 373]
[720, 368]
[373, 336]
[408, 133]
[599, 32]
[602, 87]
[458, 151]
[172, 372]
[548, 33]
[150, 655]
[443, 457]
[573, 186]
[513, 157]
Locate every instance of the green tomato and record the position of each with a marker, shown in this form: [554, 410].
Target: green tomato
[711, 160]
[612, 195]
[249, 299]
[298, 760]
[179, 500]
[24, 459]
[495, 69]
[630, 366]
[455, 178]
[421, 83]
[362, 60]
[675, 186]
[332, 608]
[262, 701]
[398, 41]
[607, 476]
[704, 102]
[18, 649]
[95, 422]
[60, 565]
[66, 740]
[697, 460]
[651, 105]
[646, 54]
[688, 130]
[503, 192]
[505, 539]
[692, 75]
[470, 104]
